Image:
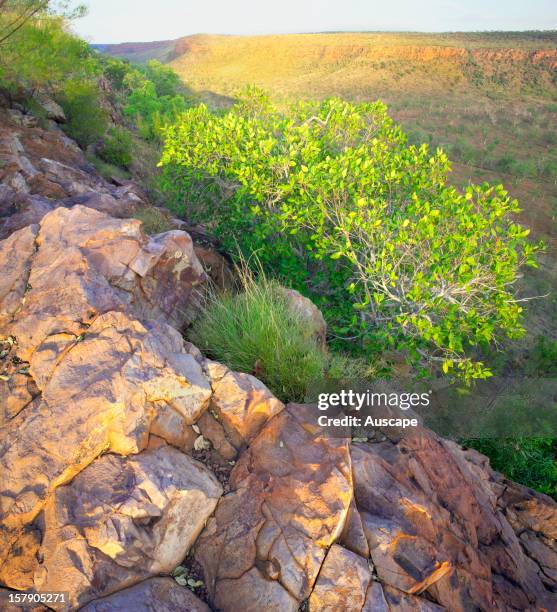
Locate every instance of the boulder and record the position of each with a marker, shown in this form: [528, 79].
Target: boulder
[160, 594]
[88, 263]
[290, 495]
[243, 404]
[119, 374]
[307, 311]
[342, 584]
[434, 526]
[123, 519]
[51, 108]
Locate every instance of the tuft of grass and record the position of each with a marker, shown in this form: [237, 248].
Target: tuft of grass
[153, 219]
[106, 170]
[255, 331]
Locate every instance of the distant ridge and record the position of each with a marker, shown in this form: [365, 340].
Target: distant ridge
[140, 52]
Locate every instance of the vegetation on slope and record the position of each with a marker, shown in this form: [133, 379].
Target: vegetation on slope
[333, 199]
[115, 109]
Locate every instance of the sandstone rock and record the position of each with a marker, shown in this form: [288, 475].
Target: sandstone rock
[342, 584]
[52, 109]
[216, 267]
[15, 259]
[353, 536]
[291, 493]
[88, 263]
[155, 594]
[309, 313]
[243, 405]
[375, 599]
[122, 520]
[117, 374]
[432, 527]
[402, 602]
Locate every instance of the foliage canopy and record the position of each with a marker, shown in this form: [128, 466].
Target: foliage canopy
[332, 198]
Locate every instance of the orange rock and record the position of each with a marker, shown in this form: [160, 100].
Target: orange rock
[342, 584]
[160, 594]
[269, 536]
[122, 520]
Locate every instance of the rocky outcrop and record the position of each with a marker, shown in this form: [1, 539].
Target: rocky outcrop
[123, 519]
[125, 453]
[269, 536]
[160, 594]
[43, 169]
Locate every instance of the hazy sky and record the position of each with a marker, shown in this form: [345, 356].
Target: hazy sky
[146, 20]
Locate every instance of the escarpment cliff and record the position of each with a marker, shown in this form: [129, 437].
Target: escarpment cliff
[125, 453]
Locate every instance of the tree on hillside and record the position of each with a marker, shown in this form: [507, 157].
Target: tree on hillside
[14, 14]
[333, 199]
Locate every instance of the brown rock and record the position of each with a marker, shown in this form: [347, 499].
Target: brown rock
[309, 313]
[216, 267]
[118, 375]
[156, 594]
[88, 263]
[122, 520]
[269, 536]
[402, 602]
[342, 584]
[433, 525]
[375, 599]
[39, 184]
[243, 405]
[353, 536]
[16, 253]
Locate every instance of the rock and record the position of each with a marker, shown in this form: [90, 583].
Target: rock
[118, 375]
[122, 520]
[353, 536]
[434, 525]
[290, 496]
[160, 594]
[27, 210]
[88, 263]
[401, 602]
[15, 258]
[342, 584]
[375, 599]
[312, 317]
[216, 267]
[243, 405]
[52, 109]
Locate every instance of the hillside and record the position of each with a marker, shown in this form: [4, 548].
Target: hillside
[489, 99]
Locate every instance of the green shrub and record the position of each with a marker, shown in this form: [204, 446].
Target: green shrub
[331, 196]
[41, 53]
[529, 461]
[255, 331]
[543, 358]
[87, 120]
[117, 148]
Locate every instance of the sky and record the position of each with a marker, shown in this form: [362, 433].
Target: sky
[112, 21]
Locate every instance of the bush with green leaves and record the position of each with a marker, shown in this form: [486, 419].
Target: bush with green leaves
[86, 119]
[154, 98]
[332, 197]
[36, 48]
[117, 148]
[256, 331]
[529, 461]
